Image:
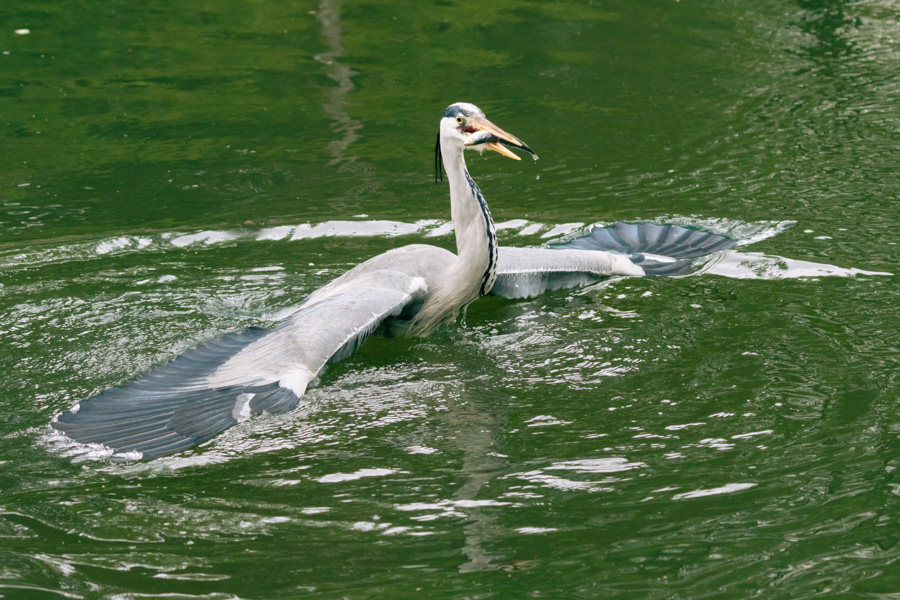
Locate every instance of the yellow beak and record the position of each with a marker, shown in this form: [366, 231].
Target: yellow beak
[494, 138]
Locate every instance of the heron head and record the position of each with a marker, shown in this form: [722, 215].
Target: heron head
[465, 125]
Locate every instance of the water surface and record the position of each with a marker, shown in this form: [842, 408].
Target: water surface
[173, 173]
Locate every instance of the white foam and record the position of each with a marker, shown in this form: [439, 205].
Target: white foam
[755, 265]
[728, 488]
[613, 464]
[339, 477]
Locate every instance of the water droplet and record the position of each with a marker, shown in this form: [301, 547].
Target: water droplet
[538, 177]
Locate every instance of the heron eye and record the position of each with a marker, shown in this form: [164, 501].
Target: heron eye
[459, 120]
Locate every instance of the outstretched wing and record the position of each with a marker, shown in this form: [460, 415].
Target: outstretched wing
[623, 249]
[637, 240]
[210, 388]
[528, 272]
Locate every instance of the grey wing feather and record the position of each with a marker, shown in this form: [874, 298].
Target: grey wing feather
[622, 249]
[672, 241]
[326, 330]
[679, 245]
[207, 389]
[528, 272]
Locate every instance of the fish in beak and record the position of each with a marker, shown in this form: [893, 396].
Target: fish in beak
[483, 132]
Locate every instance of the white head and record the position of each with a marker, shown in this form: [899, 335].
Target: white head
[465, 126]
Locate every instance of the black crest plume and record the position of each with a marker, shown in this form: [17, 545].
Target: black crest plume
[438, 160]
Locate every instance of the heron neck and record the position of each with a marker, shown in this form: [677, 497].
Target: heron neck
[474, 271]
[476, 236]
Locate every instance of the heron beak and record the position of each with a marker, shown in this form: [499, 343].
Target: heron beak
[484, 132]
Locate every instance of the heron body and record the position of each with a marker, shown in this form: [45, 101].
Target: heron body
[214, 386]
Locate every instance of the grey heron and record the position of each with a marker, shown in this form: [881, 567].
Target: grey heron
[205, 390]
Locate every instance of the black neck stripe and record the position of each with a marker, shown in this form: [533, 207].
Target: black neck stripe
[491, 236]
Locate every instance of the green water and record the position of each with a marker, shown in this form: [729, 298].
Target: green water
[174, 172]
